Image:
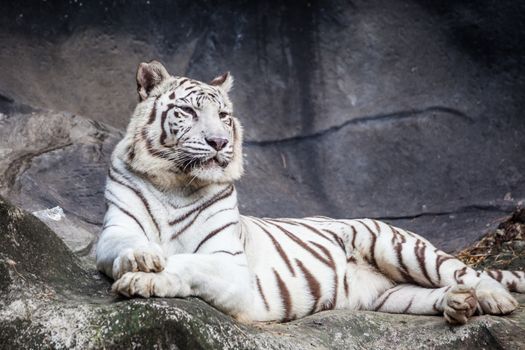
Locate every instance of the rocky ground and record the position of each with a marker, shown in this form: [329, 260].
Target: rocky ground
[50, 299]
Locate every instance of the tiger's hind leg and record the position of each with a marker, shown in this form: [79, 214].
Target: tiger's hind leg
[514, 281]
[406, 257]
[456, 303]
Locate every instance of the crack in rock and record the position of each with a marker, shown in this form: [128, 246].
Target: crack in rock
[19, 165]
[460, 210]
[395, 116]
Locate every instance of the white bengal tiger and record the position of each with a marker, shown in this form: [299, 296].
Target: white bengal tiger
[173, 228]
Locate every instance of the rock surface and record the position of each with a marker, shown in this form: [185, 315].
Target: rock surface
[49, 299]
[301, 67]
[408, 111]
[57, 159]
[440, 184]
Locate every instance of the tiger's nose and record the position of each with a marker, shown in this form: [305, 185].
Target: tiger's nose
[217, 143]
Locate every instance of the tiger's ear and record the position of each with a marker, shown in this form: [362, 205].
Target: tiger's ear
[149, 75]
[224, 81]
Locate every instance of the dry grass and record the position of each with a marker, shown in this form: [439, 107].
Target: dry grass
[502, 248]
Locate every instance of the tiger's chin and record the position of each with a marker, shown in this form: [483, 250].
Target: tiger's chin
[208, 174]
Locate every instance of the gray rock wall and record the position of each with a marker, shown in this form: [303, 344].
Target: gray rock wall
[301, 67]
[405, 110]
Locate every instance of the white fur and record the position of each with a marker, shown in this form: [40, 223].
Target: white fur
[170, 231]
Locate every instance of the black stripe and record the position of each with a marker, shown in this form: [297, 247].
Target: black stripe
[199, 210]
[262, 293]
[153, 112]
[372, 244]
[188, 94]
[330, 258]
[164, 115]
[397, 241]
[376, 224]
[149, 146]
[419, 250]
[227, 252]
[311, 228]
[217, 197]
[313, 285]
[277, 246]
[354, 233]
[440, 259]
[213, 233]
[285, 296]
[385, 298]
[345, 282]
[408, 306]
[138, 193]
[128, 214]
[300, 243]
[220, 211]
[338, 239]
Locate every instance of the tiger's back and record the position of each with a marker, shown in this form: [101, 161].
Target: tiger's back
[303, 266]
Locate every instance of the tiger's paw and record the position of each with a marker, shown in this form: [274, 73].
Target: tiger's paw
[460, 304]
[148, 259]
[494, 299]
[146, 284]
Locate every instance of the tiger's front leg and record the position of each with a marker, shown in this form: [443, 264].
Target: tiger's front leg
[406, 257]
[222, 279]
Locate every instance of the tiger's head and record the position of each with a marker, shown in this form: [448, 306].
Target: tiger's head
[183, 131]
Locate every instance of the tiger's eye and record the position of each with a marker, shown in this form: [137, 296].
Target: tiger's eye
[188, 110]
[223, 115]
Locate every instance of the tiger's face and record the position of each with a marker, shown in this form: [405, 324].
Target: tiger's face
[184, 130]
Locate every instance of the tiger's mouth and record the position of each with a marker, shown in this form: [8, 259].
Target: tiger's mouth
[205, 163]
[213, 162]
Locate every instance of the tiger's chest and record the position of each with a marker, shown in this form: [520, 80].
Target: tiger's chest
[179, 225]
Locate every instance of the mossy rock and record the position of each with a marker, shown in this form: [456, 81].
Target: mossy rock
[48, 299]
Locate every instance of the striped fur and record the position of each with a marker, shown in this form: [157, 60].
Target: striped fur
[173, 229]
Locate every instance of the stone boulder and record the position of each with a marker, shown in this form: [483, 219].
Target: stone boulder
[50, 299]
[51, 159]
